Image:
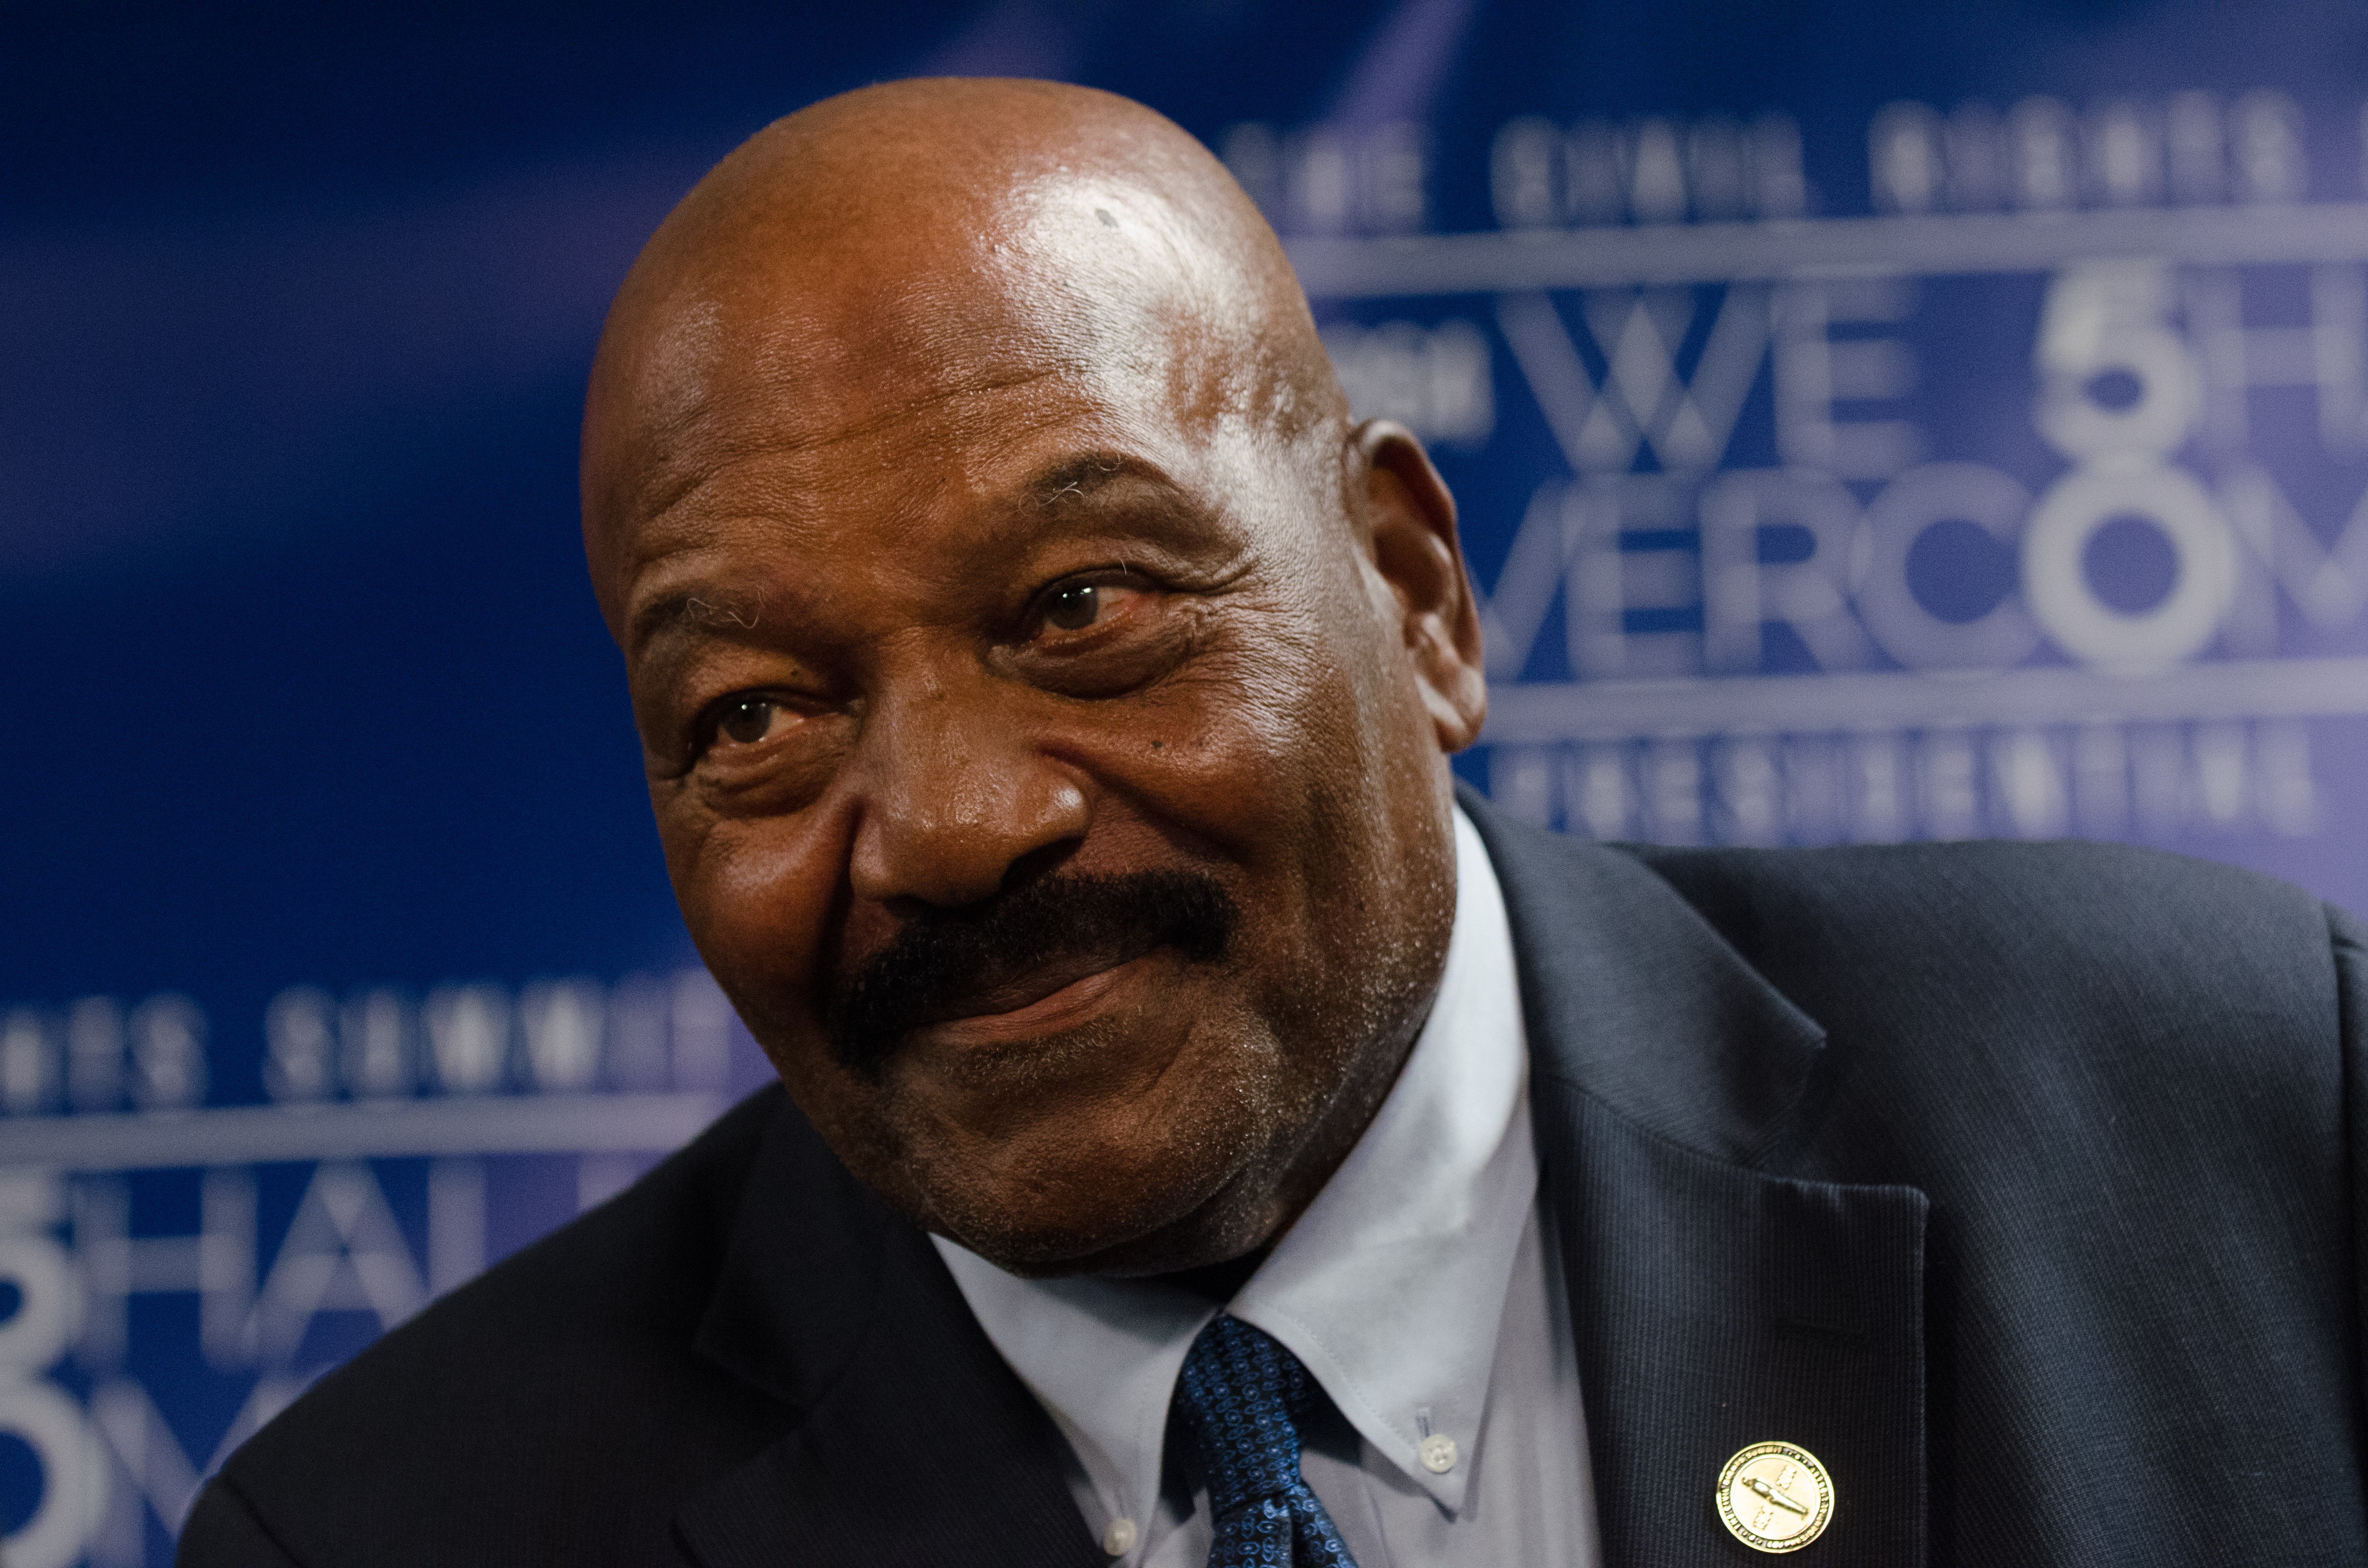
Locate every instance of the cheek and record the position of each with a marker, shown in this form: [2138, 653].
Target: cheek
[1244, 741]
[761, 898]
[757, 894]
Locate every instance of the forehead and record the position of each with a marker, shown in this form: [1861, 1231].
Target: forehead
[851, 456]
[817, 337]
[846, 390]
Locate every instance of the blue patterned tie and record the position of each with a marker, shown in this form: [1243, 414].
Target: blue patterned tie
[1242, 1397]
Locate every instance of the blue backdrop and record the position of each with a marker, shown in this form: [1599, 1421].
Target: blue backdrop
[1871, 422]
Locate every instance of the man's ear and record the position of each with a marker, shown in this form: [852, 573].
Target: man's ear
[1411, 519]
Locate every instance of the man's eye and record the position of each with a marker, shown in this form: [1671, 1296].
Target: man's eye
[748, 720]
[1075, 607]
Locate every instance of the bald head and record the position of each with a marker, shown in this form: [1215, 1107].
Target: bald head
[919, 242]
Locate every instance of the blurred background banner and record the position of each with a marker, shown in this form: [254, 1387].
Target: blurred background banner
[1871, 423]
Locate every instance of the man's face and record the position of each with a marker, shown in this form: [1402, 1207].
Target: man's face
[1033, 738]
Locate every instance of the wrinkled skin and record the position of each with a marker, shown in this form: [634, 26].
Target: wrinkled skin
[974, 503]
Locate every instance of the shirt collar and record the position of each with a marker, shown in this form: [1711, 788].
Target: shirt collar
[1389, 1287]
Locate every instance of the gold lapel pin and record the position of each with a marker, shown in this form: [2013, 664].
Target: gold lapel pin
[1775, 1497]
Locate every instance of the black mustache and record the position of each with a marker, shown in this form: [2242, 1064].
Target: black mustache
[940, 960]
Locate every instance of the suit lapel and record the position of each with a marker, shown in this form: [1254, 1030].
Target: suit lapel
[1715, 1302]
[915, 1444]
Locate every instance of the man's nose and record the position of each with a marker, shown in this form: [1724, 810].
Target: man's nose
[955, 790]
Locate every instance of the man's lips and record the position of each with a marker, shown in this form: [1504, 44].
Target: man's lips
[1056, 996]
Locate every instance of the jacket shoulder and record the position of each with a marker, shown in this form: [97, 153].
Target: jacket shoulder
[2106, 992]
[2027, 911]
[556, 1407]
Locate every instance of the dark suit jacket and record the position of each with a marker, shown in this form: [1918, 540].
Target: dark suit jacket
[2020, 1185]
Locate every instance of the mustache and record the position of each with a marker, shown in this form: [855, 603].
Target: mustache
[940, 962]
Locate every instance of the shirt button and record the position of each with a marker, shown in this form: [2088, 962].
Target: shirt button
[1439, 1453]
[1119, 1540]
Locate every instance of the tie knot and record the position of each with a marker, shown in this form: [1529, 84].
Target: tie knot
[1240, 1399]
[1242, 1396]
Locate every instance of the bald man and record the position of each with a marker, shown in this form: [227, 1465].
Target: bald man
[1205, 1139]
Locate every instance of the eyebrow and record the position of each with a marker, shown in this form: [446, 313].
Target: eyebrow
[700, 609]
[1078, 476]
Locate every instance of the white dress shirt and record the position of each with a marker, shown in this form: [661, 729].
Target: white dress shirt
[1421, 1288]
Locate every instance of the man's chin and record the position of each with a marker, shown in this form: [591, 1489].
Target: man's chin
[1124, 1145]
[1024, 1236]
[1047, 1257]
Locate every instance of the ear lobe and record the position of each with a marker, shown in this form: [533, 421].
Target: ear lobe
[1411, 519]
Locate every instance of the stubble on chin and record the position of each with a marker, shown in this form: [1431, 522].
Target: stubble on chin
[1119, 1185]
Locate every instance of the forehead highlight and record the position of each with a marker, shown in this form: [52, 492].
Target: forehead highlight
[802, 346]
